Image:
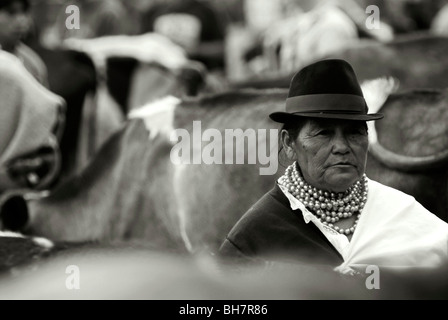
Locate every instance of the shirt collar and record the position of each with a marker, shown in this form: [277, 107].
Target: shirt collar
[296, 204]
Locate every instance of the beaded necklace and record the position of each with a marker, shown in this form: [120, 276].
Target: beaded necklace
[329, 207]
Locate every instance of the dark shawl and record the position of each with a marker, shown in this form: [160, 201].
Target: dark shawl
[271, 231]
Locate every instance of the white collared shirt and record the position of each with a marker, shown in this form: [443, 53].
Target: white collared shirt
[394, 231]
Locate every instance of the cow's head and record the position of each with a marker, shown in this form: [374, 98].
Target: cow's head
[143, 68]
[132, 83]
[382, 92]
[32, 120]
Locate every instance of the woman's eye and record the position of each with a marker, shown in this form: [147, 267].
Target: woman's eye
[322, 132]
[360, 131]
[357, 133]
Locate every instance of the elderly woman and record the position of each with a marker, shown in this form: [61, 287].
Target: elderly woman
[324, 210]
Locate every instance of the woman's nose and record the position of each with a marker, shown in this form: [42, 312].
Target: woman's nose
[340, 143]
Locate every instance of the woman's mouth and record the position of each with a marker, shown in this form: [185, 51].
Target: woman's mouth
[342, 165]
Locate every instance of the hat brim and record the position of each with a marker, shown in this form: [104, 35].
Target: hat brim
[283, 117]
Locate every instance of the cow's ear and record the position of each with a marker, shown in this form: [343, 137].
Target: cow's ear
[14, 213]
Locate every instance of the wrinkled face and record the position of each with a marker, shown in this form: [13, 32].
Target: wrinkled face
[331, 153]
[14, 23]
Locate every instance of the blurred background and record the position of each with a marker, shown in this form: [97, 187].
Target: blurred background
[241, 38]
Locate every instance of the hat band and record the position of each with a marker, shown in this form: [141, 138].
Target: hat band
[332, 103]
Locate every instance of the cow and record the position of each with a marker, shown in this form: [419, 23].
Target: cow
[129, 186]
[100, 86]
[136, 187]
[72, 76]
[130, 54]
[32, 122]
[412, 153]
[416, 60]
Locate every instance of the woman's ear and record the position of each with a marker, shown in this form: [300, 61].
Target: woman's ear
[288, 143]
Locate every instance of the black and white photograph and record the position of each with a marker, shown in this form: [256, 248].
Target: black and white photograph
[224, 158]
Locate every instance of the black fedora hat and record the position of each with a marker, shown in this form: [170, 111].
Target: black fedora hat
[326, 89]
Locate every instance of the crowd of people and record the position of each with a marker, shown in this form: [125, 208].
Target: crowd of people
[241, 39]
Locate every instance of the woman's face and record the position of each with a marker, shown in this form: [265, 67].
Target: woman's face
[14, 23]
[331, 153]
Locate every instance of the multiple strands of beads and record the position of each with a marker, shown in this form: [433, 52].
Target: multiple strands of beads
[329, 207]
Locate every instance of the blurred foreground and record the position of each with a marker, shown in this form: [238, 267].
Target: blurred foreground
[150, 275]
